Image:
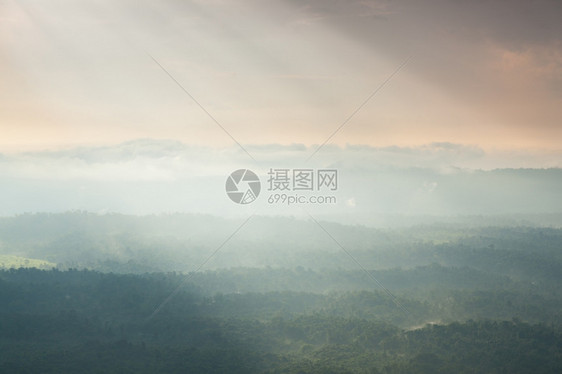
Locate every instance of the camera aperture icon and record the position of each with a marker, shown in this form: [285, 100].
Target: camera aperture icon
[243, 186]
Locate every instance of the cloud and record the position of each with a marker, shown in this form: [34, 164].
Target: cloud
[315, 11]
[172, 160]
[154, 176]
[483, 72]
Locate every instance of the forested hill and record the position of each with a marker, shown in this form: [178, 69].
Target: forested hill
[89, 322]
[84, 293]
[179, 242]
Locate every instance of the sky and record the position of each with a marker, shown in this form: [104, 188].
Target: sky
[147, 106]
[485, 74]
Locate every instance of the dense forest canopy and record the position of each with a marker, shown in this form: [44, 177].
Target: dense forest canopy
[86, 293]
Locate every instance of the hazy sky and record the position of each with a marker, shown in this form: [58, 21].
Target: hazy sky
[482, 73]
[155, 176]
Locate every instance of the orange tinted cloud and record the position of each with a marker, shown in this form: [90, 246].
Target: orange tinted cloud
[485, 73]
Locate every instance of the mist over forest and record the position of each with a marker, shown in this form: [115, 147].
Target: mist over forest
[165, 293]
[280, 187]
[154, 176]
[132, 258]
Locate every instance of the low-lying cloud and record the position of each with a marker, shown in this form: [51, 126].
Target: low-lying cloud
[153, 176]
